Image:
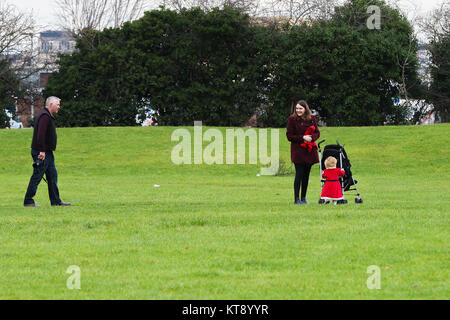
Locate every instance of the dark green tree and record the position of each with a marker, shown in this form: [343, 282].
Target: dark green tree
[93, 83]
[439, 92]
[346, 71]
[436, 27]
[186, 66]
[197, 66]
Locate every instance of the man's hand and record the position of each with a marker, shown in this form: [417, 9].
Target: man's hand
[307, 138]
[41, 156]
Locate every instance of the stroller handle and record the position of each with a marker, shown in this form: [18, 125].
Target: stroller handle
[321, 142]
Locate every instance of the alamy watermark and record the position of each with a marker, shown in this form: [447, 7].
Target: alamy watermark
[74, 281]
[374, 280]
[374, 20]
[213, 153]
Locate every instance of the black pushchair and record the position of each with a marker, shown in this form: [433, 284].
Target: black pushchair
[347, 182]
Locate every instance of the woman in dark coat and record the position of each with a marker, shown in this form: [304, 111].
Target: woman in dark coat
[302, 131]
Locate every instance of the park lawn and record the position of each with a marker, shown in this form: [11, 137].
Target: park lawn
[221, 231]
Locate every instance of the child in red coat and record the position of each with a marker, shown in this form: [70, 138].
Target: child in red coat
[332, 189]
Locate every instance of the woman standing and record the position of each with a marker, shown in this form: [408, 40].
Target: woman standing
[302, 131]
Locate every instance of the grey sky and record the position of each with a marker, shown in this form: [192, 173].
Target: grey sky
[45, 13]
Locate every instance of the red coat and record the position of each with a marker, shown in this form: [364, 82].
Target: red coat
[295, 130]
[332, 190]
[310, 146]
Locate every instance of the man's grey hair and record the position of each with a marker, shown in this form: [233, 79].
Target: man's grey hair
[51, 100]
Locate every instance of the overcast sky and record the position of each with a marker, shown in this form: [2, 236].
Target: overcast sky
[45, 15]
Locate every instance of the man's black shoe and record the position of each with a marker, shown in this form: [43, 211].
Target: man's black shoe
[65, 204]
[31, 205]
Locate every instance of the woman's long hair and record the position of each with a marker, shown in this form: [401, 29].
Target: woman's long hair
[306, 115]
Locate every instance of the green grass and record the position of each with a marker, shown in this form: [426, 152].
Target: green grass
[219, 231]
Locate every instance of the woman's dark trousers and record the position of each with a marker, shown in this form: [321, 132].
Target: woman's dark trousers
[302, 171]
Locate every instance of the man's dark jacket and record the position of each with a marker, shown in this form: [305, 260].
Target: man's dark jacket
[44, 135]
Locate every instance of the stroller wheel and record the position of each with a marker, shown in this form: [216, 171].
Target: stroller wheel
[343, 201]
[321, 201]
[358, 200]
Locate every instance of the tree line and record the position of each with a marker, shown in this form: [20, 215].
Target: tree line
[222, 66]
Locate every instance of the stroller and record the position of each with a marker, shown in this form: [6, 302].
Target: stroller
[338, 151]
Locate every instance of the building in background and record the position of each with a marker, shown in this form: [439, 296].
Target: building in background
[50, 44]
[39, 66]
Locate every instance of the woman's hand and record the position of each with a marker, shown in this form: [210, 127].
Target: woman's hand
[307, 138]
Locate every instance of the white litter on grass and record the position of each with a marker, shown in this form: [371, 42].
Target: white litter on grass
[258, 175]
[156, 185]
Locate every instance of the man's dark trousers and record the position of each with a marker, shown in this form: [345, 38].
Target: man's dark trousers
[49, 169]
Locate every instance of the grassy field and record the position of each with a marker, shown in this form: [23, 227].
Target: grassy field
[220, 231]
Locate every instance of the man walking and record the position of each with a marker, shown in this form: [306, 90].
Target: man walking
[42, 147]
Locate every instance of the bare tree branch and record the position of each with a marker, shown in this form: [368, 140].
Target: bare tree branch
[301, 10]
[15, 29]
[76, 16]
[17, 34]
[270, 11]
[247, 6]
[437, 23]
[125, 10]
